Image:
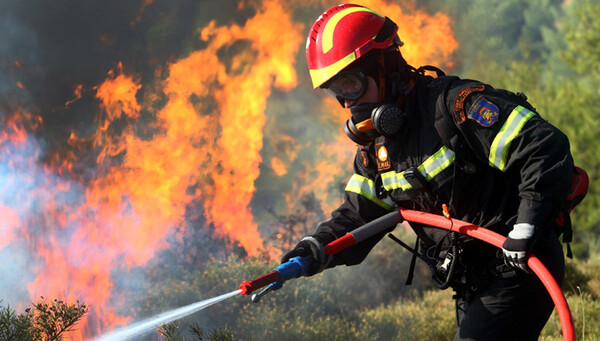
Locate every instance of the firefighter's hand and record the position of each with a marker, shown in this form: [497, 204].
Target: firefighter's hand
[313, 250]
[517, 246]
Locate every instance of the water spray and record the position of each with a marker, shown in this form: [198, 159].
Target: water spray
[141, 327]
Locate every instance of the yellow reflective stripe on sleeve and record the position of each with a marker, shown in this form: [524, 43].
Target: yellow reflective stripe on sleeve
[433, 166]
[436, 163]
[392, 180]
[366, 187]
[511, 128]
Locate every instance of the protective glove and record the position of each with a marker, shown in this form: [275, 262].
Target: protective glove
[517, 246]
[310, 248]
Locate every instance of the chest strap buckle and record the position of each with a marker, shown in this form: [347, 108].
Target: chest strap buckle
[415, 178]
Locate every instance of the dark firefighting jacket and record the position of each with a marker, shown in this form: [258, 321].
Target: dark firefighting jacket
[504, 165]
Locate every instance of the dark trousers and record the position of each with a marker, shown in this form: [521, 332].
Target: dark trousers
[516, 305]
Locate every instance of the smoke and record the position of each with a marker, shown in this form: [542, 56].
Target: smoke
[16, 148]
[18, 183]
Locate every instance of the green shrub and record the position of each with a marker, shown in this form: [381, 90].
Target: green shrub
[45, 321]
[15, 327]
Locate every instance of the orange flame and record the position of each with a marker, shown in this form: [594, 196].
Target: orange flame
[241, 96]
[76, 93]
[131, 205]
[136, 203]
[278, 166]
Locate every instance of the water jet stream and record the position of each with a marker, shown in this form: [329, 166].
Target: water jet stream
[138, 328]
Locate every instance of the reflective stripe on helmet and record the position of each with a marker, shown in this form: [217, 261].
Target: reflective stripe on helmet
[343, 34]
[433, 166]
[511, 128]
[327, 40]
[320, 76]
[366, 187]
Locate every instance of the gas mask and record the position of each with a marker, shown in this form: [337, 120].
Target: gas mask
[371, 120]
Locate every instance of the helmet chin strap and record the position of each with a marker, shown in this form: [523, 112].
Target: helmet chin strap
[381, 72]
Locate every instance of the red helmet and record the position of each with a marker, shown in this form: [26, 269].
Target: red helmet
[343, 34]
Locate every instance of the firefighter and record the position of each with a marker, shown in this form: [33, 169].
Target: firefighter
[443, 145]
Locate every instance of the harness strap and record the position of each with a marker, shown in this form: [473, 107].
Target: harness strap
[413, 261]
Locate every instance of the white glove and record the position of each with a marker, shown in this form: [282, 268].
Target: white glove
[517, 246]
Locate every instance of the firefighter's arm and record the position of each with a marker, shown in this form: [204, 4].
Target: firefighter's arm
[539, 157]
[518, 142]
[361, 205]
[359, 208]
[515, 140]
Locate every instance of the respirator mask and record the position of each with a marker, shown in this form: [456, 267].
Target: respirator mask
[369, 120]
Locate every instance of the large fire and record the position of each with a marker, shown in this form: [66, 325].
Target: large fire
[203, 143]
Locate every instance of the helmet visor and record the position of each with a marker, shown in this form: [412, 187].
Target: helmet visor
[347, 85]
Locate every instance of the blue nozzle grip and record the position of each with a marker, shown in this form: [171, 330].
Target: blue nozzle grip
[295, 267]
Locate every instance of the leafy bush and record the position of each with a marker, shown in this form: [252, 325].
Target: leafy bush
[15, 327]
[45, 321]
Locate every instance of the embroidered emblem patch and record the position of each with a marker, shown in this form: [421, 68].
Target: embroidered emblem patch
[484, 112]
[459, 101]
[383, 159]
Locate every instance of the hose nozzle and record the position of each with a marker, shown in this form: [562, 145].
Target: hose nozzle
[293, 268]
[273, 286]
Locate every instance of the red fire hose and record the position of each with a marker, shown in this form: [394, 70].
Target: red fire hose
[562, 307]
[294, 268]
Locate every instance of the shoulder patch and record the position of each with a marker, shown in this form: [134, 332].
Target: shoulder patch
[483, 112]
[459, 101]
